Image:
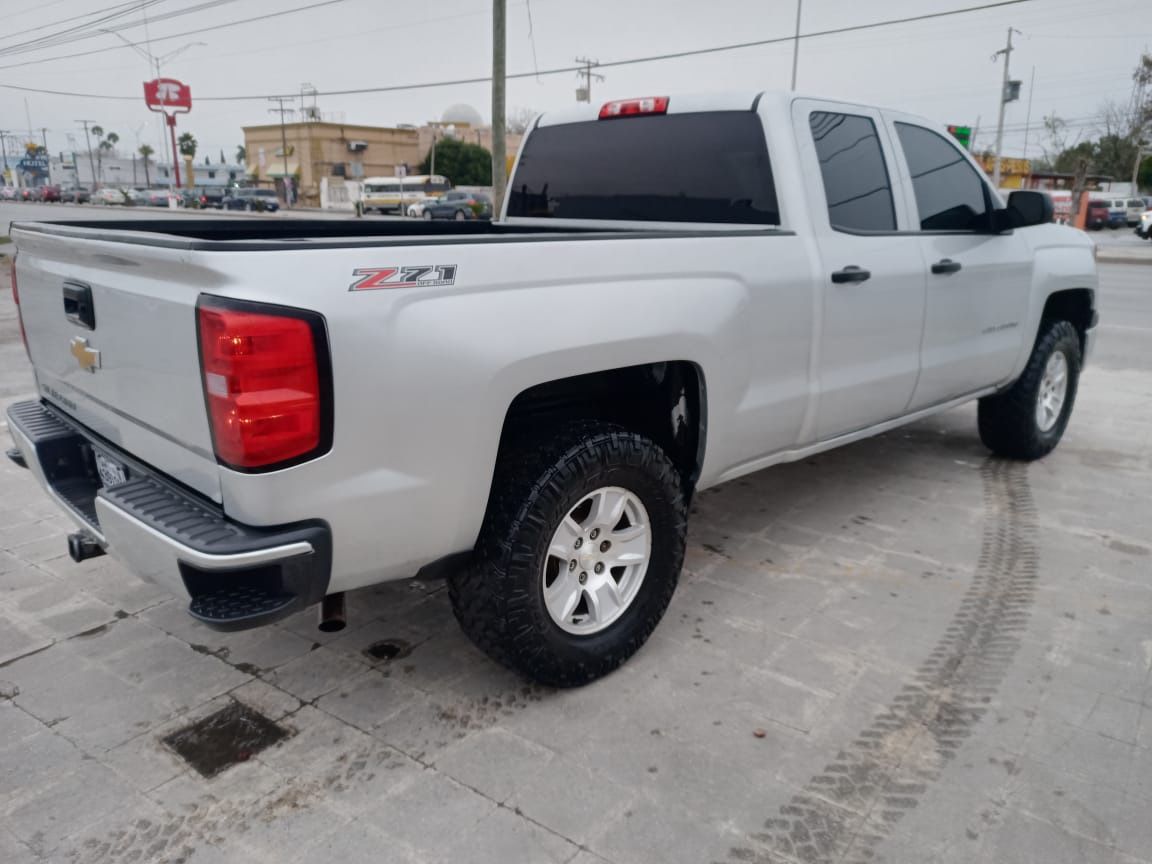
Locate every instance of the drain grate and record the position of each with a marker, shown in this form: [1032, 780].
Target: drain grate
[388, 649]
[232, 735]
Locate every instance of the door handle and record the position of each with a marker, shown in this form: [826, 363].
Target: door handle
[851, 273]
[946, 265]
[78, 306]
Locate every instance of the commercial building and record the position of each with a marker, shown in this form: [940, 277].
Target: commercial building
[318, 149]
[76, 169]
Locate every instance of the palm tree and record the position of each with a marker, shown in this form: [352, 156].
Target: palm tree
[241, 155]
[186, 143]
[105, 144]
[145, 152]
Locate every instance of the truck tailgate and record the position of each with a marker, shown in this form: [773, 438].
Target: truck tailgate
[111, 332]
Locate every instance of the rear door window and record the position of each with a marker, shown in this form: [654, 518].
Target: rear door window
[701, 167]
[856, 183]
[950, 193]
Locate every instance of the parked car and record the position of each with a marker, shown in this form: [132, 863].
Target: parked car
[253, 200]
[416, 208]
[8, 193]
[1135, 207]
[265, 414]
[1117, 212]
[460, 206]
[211, 198]
[76, 195]
[1098, 215]
[50, 193]
[29, 193]
[110, 195]
[156, 197]
[1144, 229]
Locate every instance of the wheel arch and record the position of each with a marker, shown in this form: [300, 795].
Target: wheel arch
[1077, 306]
[665, 401]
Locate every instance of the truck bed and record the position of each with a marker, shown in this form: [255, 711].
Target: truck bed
[273, 234]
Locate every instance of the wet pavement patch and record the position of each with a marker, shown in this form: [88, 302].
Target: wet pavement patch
[233, 734]
[388, 649]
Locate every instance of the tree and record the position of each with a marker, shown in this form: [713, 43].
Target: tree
[241, 155]
[104, 144]
[186, 144]
[145, 153]
[518, 120]
[462, 163]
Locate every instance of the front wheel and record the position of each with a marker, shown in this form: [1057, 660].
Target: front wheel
[1028, 420]
[428, 215]
[578, 557]
[460, 217]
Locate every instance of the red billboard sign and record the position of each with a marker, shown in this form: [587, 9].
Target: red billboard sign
[168, 95]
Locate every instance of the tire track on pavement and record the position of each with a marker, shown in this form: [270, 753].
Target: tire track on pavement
[847, 810]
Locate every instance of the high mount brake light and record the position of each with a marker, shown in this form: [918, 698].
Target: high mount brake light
[267, 383]
[634, 107]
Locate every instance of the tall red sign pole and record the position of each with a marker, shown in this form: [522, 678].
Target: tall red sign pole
[171, 97]
[171, 118]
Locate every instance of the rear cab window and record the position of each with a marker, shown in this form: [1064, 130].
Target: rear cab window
[709, 166]
[856, 182]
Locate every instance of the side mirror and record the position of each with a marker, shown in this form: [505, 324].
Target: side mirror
[1025, 207]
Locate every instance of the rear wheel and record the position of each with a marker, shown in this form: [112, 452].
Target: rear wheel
[460, 217]
[428, 215]
[1028, 420]
[579, 555]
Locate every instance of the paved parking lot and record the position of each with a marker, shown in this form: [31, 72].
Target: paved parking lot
[902, 651]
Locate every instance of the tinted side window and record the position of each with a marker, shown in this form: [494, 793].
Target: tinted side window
[706, 167]
[856, 180]
[949, 191]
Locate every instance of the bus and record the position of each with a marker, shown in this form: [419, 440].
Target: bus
[396, 193]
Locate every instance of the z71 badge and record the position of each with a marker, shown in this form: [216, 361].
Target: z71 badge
[373, 278]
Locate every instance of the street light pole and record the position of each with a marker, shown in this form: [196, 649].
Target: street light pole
[796, 43]
[499, 13]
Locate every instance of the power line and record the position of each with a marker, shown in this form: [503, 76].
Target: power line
[51, 39]
[265, 17]
[487, 78]
[65, 39]
[64, 20]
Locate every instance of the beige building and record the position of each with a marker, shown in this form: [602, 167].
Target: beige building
[319, 149]
[341, 151]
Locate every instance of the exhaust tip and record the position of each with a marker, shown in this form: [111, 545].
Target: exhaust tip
[82, 546]
[332, 618]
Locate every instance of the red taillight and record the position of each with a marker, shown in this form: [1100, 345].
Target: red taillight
[266, 390]
[19, 314]
[634, 107]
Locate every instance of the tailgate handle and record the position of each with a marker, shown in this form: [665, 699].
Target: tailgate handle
[78, 305]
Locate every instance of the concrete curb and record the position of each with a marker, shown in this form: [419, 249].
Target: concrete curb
[1124, 256]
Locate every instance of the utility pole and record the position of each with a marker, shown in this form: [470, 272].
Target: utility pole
[499, 40]
[796, 43]
[584, 94]
[91, 161]
[4, 133]
[1004, 100]
[280, 100]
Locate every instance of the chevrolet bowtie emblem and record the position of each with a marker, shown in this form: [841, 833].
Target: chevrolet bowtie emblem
[88, 358]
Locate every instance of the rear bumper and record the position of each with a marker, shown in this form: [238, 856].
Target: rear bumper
[235, 575]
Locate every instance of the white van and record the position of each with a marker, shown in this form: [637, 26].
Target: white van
[1134, 209]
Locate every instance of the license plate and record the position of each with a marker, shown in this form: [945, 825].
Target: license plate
[111, 472]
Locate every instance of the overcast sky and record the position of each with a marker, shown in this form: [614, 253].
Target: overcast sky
[1083, 53]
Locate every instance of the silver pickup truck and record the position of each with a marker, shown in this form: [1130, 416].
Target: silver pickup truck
[263, 414]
